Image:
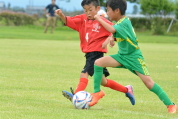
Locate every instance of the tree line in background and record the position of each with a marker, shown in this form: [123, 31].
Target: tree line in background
[155, 11]
[154, 7]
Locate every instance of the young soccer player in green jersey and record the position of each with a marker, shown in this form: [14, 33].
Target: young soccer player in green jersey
[129, 55]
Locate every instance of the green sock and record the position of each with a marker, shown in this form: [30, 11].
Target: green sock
[161, 94]
[98, 73]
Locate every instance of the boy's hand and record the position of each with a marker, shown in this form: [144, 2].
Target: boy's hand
[97, 17]
[59, 12]
[112, 43]
[105, 43]
[61, 15]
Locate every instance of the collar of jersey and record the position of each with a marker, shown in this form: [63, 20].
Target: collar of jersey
[120, 20]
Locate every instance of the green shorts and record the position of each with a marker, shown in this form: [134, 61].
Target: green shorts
[133, 62]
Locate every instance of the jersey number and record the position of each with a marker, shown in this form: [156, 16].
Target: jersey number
[86, 37]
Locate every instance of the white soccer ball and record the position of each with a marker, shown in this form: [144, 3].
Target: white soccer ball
[81, 100]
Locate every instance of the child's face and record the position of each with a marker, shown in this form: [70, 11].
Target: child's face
[90, 10]
[111, 14]
[53, 1]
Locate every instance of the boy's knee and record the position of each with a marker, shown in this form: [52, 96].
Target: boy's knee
[97, 62]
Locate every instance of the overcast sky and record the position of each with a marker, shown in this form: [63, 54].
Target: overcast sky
[70, 6]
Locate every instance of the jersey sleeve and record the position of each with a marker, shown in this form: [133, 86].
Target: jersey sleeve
[120, 31]
[74, 22]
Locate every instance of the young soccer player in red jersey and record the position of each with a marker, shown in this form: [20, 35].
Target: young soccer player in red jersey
[93, 42]
[129, 55]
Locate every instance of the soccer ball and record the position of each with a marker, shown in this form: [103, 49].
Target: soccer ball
[81, 100]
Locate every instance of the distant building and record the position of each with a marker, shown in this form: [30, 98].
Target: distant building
[35, 10]
[2, 6]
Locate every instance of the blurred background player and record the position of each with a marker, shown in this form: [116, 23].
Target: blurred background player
[129, 55]
[51, 16]
[93, 42]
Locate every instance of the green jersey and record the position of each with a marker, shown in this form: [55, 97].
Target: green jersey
[125, 36]
[129, 54]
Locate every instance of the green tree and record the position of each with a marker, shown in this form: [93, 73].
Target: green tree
[176, 10]
[134, 1]
[156, 10]
[156, 7]
[103, 2]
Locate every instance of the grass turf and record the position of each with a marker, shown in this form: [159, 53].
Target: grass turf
[34, 72]
[64, 33]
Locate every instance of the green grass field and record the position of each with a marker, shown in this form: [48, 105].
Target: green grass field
[36, 67]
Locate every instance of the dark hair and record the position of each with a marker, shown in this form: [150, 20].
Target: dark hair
[87, 2]
[117, 4]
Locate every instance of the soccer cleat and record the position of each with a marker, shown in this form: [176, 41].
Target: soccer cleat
[67, 95]
[96, 97]
[130, 94]
[172, 108]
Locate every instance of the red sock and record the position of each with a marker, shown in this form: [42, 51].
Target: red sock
[116, 86]
[82, 85]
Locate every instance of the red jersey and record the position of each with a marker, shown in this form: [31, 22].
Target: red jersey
[92, 33]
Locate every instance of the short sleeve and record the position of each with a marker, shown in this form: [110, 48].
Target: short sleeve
[74, 22]
[120, 31]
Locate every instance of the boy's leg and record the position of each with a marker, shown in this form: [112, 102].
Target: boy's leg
[116, 86]
[97, 78]
[128, 90]
[81, 85]
[159, 92]
[172, 108]
[98, 93]
[83, 82]
[106, 61]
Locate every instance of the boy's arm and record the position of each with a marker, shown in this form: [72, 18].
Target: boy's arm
[72, 22]
[61, 15]
[105, 43]
[109, 40]
[112, 41]
[107, 26]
